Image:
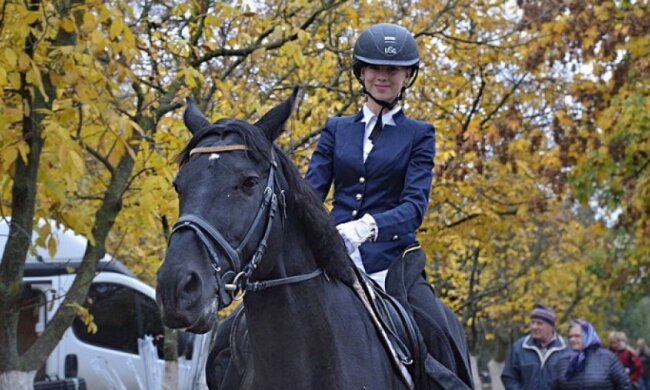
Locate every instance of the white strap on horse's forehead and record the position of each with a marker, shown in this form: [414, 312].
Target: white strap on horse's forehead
[216, 149]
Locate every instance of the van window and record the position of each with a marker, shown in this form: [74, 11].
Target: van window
[32, 301]
[122, 315]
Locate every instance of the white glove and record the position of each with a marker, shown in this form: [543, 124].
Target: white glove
[355, 233]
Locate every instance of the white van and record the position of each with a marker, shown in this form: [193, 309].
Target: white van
[124, 310]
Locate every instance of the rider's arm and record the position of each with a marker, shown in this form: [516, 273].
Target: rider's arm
[408, 215]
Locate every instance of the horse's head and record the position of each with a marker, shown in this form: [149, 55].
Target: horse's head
[228, 198]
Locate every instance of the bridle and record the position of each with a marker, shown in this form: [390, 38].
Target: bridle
[234, 283]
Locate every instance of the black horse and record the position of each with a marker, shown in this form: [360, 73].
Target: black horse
[250, 224]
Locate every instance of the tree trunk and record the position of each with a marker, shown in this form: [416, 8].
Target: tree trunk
[170, 378]
[17, 380]
[476, 378]
[22, 210]
[496, 368]
[170, 350]
[23, 201]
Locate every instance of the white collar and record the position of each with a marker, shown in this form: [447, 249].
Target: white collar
[386, 118]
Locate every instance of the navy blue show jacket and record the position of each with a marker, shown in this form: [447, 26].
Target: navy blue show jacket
[392, 185]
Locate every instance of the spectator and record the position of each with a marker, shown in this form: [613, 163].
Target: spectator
[589, 366]
[644, 354]
[628, 358]
[529, 364]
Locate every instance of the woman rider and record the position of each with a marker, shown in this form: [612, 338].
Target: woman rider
[380, 162]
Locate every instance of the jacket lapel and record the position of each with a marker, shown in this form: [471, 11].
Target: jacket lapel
[388, 141]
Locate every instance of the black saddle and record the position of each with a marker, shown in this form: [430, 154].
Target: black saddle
[397, 323]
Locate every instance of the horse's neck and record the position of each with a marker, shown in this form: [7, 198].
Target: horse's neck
[296, 326]
[288, 256]
[280, 315]
[312, 334]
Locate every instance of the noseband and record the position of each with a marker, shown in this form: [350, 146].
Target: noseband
[233, 284]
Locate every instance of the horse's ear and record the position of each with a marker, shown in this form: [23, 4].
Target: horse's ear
[272, 123]
[194, 118]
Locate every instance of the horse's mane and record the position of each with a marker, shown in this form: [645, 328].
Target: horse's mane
[318, 225]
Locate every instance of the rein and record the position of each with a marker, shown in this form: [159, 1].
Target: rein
[234, 284]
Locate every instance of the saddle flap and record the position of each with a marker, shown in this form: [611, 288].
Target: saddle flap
[398, 324]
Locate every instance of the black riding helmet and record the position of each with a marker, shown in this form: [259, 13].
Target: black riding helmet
[386, 44]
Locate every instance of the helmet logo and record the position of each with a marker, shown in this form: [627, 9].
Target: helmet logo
[389, 49]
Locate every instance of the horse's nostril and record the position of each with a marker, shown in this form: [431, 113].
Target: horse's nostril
[190, 284]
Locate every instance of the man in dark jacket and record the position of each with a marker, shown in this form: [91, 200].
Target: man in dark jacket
[531, 358]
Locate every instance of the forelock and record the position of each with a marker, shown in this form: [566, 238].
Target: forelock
[250, 135]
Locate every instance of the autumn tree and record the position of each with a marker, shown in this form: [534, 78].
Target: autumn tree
[569, 144]
[603, 130]
[86, 85]
[90, 119]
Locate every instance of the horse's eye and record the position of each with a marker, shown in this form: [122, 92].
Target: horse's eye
[250, 182]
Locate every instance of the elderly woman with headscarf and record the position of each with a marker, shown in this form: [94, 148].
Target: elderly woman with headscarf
[589, 366]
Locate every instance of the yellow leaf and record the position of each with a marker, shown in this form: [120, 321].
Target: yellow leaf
[10, 57]
[89, 23]
[23, 62]
[43, 234]
[3, 77]
[257, 54]
[51, 246]
[34, 77]
[116, 28]
[638, 47]
[30, 17]
[298, 58]
[590, 36]
[189, 79]
[7, 157]
[55, 79]
[129, 39]
[67, 25]
[62, 152]
[77, 161]
[473, 130]
[98, 40]
[84, 315]
[14, 80]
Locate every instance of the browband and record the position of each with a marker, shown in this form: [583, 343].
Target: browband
[215, 149]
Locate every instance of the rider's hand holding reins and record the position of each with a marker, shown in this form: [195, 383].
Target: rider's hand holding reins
[355, 233]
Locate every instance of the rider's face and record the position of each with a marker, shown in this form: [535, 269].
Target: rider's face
[384, 82]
